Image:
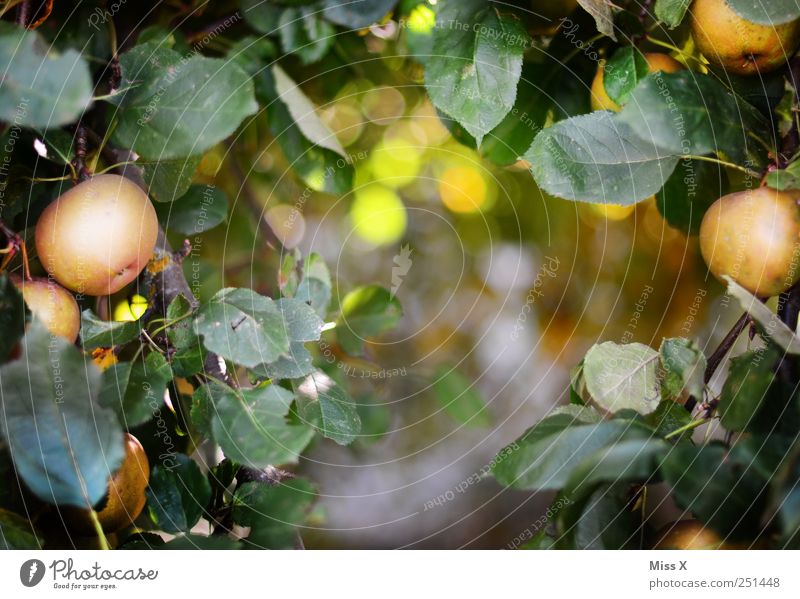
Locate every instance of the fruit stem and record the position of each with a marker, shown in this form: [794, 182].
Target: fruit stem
[745, 170]
[686, 427]
[98, 529]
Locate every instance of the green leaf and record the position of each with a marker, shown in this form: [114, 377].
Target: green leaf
[668, 417]
[721, 487]
[135, 390]
[772, 326]
[64, 445]
[684, 364]
[603, 17]
[58, 145]
[366, 312]
[315, 286]
[545, 456]
[324, 405]
[262, 16]
[595, 158]
[168, 180]
[746, 387]
[460, 398]
[172, 106]
[671, 12]
[177, 495]
[186, 542]
[297, 363]
[476, 63]
[691, 189]
[251, 427]
[305, 33]
[356, 14]
[40, 88]
[788, 178]
[242, 326]
[96, 332]
[201, 208]
[507, 142]
[321, 168]
[13, 316]
[691, 113]
[766, 12]
[301, 321]
[273, 511]
[623, 72]
[623, 377]
[17, 532]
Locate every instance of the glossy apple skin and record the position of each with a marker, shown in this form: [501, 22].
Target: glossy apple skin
[753, 236]
[126, 493]
[52, 304]
[737, 45]
[655, 62]
[98, 236]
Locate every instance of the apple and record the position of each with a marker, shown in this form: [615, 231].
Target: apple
[125, 499]
[52, 304]
[691, 534]
[98, 236]
[656, 61]
[737, 45]
[753, 236]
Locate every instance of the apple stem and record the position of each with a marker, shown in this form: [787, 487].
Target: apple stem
[98, 529]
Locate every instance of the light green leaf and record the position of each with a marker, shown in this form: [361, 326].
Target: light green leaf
[460, 398]
[328, 408]
[366, 312]
[622, 377]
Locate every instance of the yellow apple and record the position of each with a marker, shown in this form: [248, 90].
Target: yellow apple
[98, 236]
[753, 236]
[737, 45]
[655, 62]
[52, 304]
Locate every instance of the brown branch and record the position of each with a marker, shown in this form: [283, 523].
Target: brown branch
[24, 13]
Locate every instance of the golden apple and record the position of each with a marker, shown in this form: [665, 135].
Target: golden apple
[737, 45]
[753, 236]
[52, 304]
[655, 62]
[98, 236]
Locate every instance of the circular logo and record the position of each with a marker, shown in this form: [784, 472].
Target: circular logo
[31, 572]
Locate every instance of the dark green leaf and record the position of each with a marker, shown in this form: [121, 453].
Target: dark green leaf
[273, 511]
[96, 332]
[460, 398]
[606, 522]
[187, 542]
[671, 12]
[201, 208]
[356, 14]
[687, 112]
[172, 106]
[507, 142]
[177, 495]
[545, 456]
[746, 387]
[623, 72]
[17, 533]
[315, 286]
[302, 323]
[595, 158]
[168, 180]
[39, 88]
[65, 446]
[242, 326]
[788, 178]
[684, 365]
[668, 417]
[323, 404]
[366, 312]
[135, 390]
[305, 33]
[251, 425]
[297, 363]
[476, 63]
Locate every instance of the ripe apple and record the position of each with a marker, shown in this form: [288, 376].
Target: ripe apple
[656, 61]
[737, 45]
[125, 499]
[753, 236]
[98, 236]
[689, 534]
[52, 304]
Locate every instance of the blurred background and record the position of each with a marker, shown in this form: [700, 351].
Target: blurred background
[497, 280]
